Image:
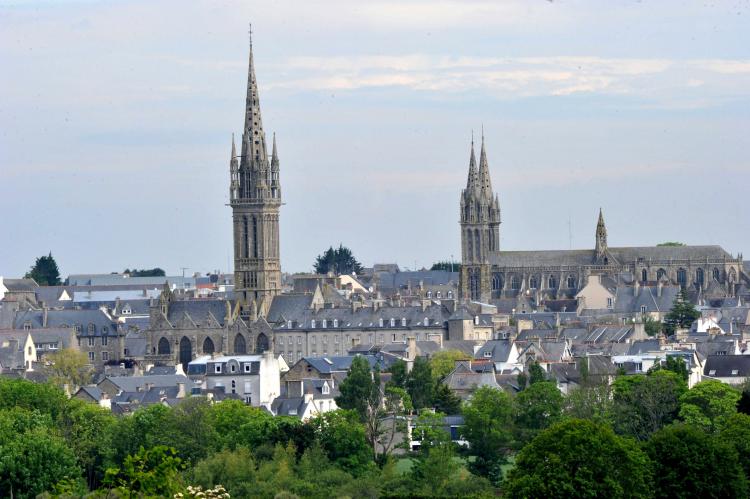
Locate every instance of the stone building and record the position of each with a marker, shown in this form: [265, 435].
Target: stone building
[489, 274]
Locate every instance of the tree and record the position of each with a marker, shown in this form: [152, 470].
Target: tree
[68, 367]
[420, 383]
[682, 314]
[536, 408]
[446, 401]
[674, 364]
[43, 397]
[358, 390]
[708, 404]
[536, 373]
[691, 463]
[578, 458]
[339, 261]
[234, 469]
[152, 472]
[343, 439]
[33, 462]
[488, 423]
[736, 432]
[45, 271]
[399, 374]
[155, 272]
[447, 266]
[671, 244]
[651, 326]
[443, 363]
[743, 404]
[644, 404]
[592, 402]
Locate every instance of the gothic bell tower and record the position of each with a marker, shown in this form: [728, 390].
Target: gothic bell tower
[480, 230]
[255, 198]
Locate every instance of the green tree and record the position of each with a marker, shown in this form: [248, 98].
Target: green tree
[68, 367]
[736, 432]
[399, 374]
[644, 404]
[671, 243]
[674, 364]
[88, 430]
[536, 408]
[708, 404]
[44, 397]
[234, 469]
[488, 424]
[447, 266]
[687, 462]
[358, 391]
[682, 314]
[577, 458]
[420, 383]
[45, 271]
[536, 373]
[339, 261]
[343, 439]
[652, 326]
[33, 462]
[152, 472]
[444, 361]
[155, 272]
[593, 402]
[743, 404]
[446, 401]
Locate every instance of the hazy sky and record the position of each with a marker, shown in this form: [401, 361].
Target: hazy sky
[116, 120]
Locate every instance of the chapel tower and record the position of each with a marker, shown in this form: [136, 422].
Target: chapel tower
[255, 198]
[480, 229]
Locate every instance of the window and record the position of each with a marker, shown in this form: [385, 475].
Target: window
[450, 294]
[426, 321]
[299, 340]
[571, 281]
[91, 356]
[644, 275]
[233, 368]
[403, 321]
[438, 295]
[289, 324]
[712, 372]
[325, 323]
[234, 386]
[476, 320]
[247, 387]
[533, 282]
[313, 339]
[91, 341]
[515, 282]
[335, 323]
[104, 341]
[717, 274]
[609, 302]
[281, 340]
[217, 368]
[27, 326]
[92, 329]
[735, 372]
[247, 369]
[29, 351]
[660, 273]
[312, 324]
[336, 339]
[248, 400]
[552, 282]
[393, 322]
[429, 294]
[380, 322]
[326, 389]
[682, 277]
[105, 356]
[643, 309]
[700, 277]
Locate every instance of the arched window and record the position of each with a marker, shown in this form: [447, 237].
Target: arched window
[429, 294]
[186, 352]
[682, 277]
[262, 344]
[450, 294]
[469, 245]
[240, 346]
[571, 281]
[164, 346]
[474, 285]
[700, 278]
[533, 282]
[644, 275]
[477, 245]
[245, 237]
[552, 282]
[208, 346]
[717, 274]
[660, 273]
[515, 282]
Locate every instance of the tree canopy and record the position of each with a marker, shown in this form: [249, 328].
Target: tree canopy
[446, 266]
[682, 314]
[45, 271]
[155, 272]
[339, 261]
[671, 243]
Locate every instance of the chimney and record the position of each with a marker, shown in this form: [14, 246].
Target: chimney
[411, 347]
[425, 304]
[355, 305]
[636, 288]
[44, 315]
[180, 390]
[659, 285]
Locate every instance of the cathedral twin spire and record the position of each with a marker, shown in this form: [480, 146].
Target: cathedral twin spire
[478, 199]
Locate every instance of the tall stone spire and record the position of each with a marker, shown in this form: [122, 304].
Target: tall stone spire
[601, 237]
[484, 173]
[253, 137]
[472, 180]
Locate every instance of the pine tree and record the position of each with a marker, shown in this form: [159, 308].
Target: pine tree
[45, 271]
[682, 315]
[339, 261]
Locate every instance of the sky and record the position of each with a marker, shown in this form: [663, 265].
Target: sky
[116, 121]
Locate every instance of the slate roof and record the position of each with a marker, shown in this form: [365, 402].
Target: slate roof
[396, 280]
[133, 383]
[198, 310]
[627, 302]
[135, 342]
[92, 391]
[341, 363]
[496, 350]
[644, 346]
[21, 285]
[288, 306]
[368, 317]
[69, 318]
[727, 366]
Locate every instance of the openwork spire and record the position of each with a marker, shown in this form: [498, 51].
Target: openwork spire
[253, 137]
[601, 235]
[473, 178]
[485, 183]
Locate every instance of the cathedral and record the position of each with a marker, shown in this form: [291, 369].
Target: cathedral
[489, 275]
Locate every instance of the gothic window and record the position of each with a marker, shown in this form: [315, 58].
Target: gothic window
[533, 282]
[255, 237]
[208, 346]
[470, 245]
[682, 277]
[245, 235]
[552, 282]
[497, 282]
[186, 352]
[240, 346]
[262, 344]
[660, 273]
[515, 282]
[717, 274]
[571, 281]
[700, 278]
[644, 275]
[732, 276]
[164, 346]
[477, 244]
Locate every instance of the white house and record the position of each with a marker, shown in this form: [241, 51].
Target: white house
[255, 378]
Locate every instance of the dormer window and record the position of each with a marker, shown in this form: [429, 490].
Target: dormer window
[326, 389]
[312, 324]
[92, 329]
[217, 368]
[426, 321]
[27, 326]
[393, 322]
[488, 354]
[289, 324]
[643, 309]
[247, 367]
[233, 368]
[609, 302]
[126, 310]
[735, 372]
[335, 323]
[325, 323]
[380, 322]
[403, 321]
[476, 320]
[450, 295]
[712, 372]
[438, 295]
